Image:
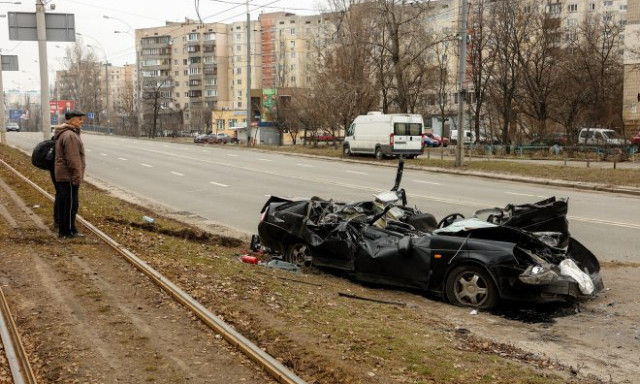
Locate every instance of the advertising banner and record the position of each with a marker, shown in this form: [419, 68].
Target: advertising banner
[269, 108]
[14, 114]
[59, 107]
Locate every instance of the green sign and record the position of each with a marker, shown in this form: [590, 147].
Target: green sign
[269, 108]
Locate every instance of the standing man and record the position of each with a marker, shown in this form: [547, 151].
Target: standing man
[69, 171]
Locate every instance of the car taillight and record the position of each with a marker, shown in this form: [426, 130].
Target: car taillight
[391, 140]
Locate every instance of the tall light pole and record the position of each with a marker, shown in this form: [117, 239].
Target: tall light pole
[106, 69]
[462, 67]
[248, 76]
[44, 71]
[138, 77]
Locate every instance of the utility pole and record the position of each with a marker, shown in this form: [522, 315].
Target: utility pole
[44, 74]
[3, 127]
[248, 76]
[462, 67]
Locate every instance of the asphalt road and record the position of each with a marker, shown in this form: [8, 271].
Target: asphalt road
[229, 184]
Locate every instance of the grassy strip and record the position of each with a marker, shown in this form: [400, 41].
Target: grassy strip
[322, 336]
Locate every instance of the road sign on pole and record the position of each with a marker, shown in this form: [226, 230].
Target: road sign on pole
[23, 26]
[7, 63]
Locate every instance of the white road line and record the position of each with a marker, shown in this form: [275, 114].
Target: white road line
[304, 165]
[606, 222]
[147, 165]
[264, 160]
[357, 173]
[426, 182]
[103, 154]
[89, 150]
[218, 184]
[122, 158]
[177, 173]
[232, 155]
[523, 194]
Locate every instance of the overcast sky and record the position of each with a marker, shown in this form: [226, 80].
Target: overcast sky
[119, 47]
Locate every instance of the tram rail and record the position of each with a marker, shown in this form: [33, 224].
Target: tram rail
[268, 363]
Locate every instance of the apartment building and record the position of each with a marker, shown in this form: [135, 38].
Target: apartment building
[183, 74]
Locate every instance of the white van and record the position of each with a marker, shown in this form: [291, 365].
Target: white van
[468, 136]
[600, 136]
[385, 135]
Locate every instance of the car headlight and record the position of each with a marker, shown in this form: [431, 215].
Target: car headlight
[538, 274]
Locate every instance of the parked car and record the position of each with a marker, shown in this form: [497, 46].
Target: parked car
[520, 252]
[555, 138]
[219, 138]
[430, 140]
[13, 127]
[635, 139]
[441, 141]
[203, 138]
[600, 137]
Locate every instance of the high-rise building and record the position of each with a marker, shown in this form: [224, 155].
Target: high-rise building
[183, 69]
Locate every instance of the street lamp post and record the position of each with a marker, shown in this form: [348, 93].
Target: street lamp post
[138, 77]
[106, 70]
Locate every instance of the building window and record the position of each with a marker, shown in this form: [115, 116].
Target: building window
[194, 36]
[573, 8]
[238, 36]
[293, 55]
[634, 107]
[293, 44]
[292, 31]
[592, 6]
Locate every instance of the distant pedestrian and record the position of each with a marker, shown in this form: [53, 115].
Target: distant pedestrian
[69, 171]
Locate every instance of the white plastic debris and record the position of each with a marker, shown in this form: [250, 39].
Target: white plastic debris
[569, 268]
[148, 219]
[474, 312]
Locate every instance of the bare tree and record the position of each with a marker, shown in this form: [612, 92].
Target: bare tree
[81, 78]
[537, 56]
[481, 60]
[509, 25]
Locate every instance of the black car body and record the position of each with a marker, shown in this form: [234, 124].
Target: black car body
[522, 252]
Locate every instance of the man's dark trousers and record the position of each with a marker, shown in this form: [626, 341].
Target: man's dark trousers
[56, 201]
[68, 208]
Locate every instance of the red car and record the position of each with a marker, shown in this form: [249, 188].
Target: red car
[442, 141]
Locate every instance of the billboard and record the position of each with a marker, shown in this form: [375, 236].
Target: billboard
[269, 108]
[59, 107]
[14, 114]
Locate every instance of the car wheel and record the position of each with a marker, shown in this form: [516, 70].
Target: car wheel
[298, 254]
[471, 286]
[379, 154]
[346, 150]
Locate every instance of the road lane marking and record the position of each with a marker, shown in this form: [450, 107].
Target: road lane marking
[304, 165]
[264, 160]
[357, 173]
[89, 150]
[218, 184]
[605, 222]
[445, 200]
[147, 165]
[232, 155]
[103, 154]
[426, 182]
[523, 194]
[122, 158]
[177, 173]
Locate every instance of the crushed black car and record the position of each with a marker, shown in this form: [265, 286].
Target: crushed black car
[519, 252]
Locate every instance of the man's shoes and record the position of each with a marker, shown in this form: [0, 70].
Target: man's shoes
[73, 235]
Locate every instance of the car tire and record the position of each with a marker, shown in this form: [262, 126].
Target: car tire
[298, 254]
[378, 153]
[471, 286]
[346, 150]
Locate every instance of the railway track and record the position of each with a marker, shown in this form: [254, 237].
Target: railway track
[269, 364]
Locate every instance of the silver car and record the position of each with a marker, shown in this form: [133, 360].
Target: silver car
[13, 127]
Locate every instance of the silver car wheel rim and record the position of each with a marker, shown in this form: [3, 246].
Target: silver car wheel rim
[471, 288]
